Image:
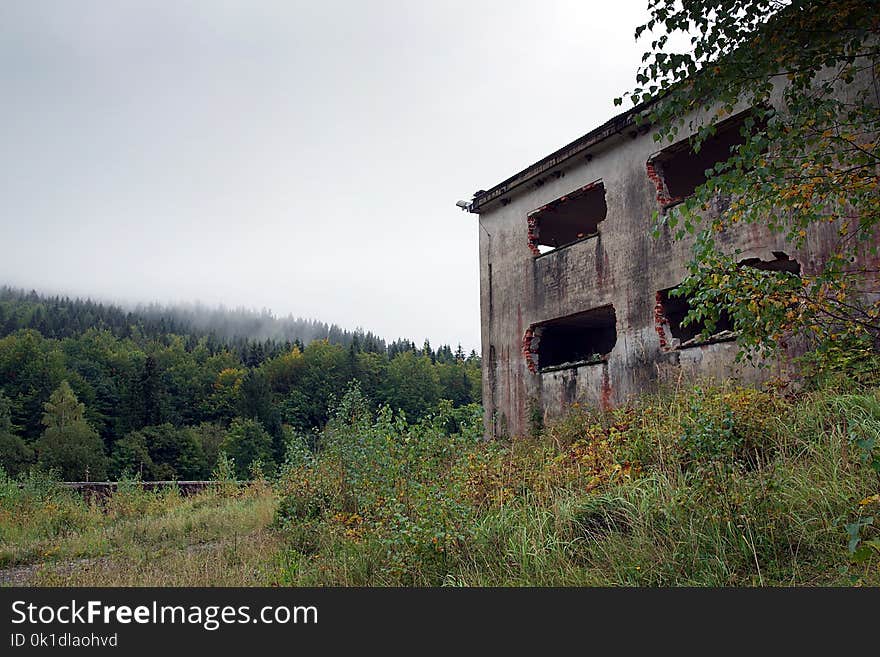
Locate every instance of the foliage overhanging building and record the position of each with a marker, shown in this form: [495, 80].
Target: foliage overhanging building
[574, 288]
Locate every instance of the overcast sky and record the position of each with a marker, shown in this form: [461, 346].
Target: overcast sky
[300, 156]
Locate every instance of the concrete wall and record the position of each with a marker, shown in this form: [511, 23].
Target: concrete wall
[624, 266]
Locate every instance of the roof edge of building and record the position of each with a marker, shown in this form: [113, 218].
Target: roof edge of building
[613, 126]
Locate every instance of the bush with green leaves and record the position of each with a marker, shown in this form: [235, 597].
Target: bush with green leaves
[850, 362]
[224, 474]
[729, 429]
[34, 504]
[380, 480]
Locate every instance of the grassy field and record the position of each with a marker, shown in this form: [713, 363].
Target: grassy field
[709, 486]
[50, 536]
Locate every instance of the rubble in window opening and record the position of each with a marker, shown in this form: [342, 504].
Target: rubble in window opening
[582, 339]
[669, 314]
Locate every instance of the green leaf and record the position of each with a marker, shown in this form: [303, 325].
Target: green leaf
[861, 555]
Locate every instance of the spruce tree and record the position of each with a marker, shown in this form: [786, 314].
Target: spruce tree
[69, 444]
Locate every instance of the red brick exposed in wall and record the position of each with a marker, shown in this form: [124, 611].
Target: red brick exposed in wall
[663, 197]
[527, 350]
[606, 397]
[660, 322]
[533, 235]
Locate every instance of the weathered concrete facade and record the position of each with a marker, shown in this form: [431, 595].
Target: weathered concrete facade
[542, 348]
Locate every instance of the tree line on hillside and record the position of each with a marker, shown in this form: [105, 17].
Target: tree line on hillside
[62, 317]
[95, 400]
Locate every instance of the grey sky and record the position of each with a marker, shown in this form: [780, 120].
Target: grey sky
[300, 156]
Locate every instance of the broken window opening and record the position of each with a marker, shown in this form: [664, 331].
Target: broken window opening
[677, 170]
[781, 262]
[567, 220]
[671, 312]
[582, 339]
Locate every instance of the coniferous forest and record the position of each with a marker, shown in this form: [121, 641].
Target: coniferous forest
[95, 391]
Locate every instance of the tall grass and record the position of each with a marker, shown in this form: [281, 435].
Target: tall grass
[43, 522]
[704, 486]
[714, 486]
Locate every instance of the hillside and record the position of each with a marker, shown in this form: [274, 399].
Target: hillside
[61, 317]
[152, 393]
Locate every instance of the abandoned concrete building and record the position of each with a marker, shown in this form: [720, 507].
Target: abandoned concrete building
[574, 289]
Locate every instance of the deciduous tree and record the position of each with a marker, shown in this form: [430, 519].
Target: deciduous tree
[810, 155]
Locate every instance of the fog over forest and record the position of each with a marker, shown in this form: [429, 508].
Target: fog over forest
[225, 323]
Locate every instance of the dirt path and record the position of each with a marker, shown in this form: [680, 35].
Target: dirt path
[25, 574]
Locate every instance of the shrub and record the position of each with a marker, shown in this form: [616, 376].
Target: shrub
[130, 499]
[851, 362]
[224, 475]
[711, 485]
[378, 479]
[729, 429]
